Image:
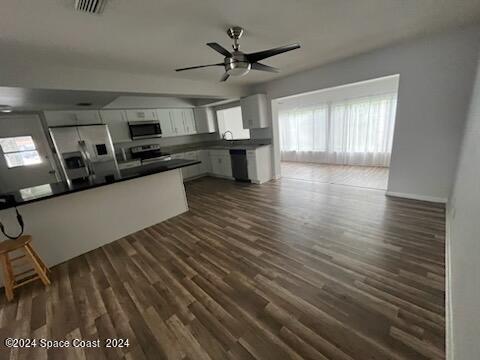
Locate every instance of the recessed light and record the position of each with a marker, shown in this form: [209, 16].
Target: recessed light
[6, 108]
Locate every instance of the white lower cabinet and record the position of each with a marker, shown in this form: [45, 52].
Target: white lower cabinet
[220, 163]
[204, 166]
[194, 171]
[217, 162]
[252, 165]
[259, 163]
[190, 171]
[184, 169]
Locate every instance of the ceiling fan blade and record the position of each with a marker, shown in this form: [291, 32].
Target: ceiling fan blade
[220, 49]
[263, 67]
[225, 77]
[260, 55]
[199, 66]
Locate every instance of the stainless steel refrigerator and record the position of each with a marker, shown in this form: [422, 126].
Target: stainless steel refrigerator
[85, 152]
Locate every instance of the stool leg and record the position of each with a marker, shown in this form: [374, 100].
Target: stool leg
[40, 261]
[7, 271]
[38, 267]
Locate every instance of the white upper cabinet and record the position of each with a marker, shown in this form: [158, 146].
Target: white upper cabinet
[188, 121]
[72, 118]
[183, 122]
[173, 122]
[165, 117]
[254, 111]
[116, 120]
[205, 120]
[141, 115]
[177, 122]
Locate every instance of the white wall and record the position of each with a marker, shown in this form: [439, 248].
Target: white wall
[436, 75]
[463, 243]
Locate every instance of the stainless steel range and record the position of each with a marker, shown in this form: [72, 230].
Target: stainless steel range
[149, 153]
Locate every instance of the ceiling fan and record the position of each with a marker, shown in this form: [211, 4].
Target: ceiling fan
[238, 63]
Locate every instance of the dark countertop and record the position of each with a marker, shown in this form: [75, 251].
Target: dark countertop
[212, 146]
[216, 145]
[47, 191]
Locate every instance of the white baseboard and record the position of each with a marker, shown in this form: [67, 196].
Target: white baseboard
[417, 197]
[448, 288]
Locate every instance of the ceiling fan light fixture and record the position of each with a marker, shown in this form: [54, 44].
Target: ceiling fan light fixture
[239, 68]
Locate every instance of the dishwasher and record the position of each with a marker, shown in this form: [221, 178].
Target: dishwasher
[239, 164]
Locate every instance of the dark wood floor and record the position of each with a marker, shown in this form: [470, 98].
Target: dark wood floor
[284, 270]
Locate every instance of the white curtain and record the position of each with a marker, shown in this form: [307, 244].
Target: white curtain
[354, 132]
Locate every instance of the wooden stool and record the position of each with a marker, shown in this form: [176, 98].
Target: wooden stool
[10, 279]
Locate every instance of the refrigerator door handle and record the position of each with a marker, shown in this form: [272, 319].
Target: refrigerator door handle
[86, 157]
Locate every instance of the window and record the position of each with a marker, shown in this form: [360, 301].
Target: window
[230, 122]
[36, 191]
[356, 131]
[20, 151]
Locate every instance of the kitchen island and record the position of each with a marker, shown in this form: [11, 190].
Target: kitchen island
[67, 220]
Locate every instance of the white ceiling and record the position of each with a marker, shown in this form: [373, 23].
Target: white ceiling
[155, 37]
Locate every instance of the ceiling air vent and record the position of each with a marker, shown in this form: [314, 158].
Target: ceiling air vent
[90, 6]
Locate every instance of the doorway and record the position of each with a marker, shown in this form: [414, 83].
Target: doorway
[341, 135]
[25, 157]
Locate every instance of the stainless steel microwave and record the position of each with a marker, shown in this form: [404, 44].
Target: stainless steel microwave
[144, 129]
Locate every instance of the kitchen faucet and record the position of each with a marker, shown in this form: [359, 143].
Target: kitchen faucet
[224, 135]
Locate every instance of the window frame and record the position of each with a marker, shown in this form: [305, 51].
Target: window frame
[230, 108]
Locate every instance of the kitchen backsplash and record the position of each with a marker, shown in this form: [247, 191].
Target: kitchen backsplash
[257, 136]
